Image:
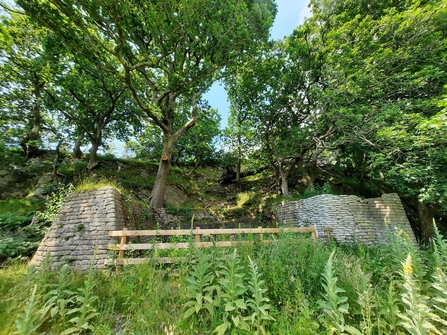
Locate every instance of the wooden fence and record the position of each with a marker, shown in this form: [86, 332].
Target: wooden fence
[197, 232]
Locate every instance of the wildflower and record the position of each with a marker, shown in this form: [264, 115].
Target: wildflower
[402, 232]
[408, 269]
[162, 325]
[25, 258]
[430, 240]
[232, 237]
[386, 240]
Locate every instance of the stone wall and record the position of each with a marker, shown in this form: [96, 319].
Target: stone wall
[83, 223]
[82, 227]
[351, 218]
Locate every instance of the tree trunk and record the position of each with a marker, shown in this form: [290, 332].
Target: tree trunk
[284, 181]
[57, 161]
[93, 160]
[285, 188]
[426, 212]
[199, 161]
[29, 144]
[312, 174]
[313, 166]
[158, 192]
[77, 152]
[238, 165]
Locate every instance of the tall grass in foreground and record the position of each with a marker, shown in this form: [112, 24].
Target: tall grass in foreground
[293, 286]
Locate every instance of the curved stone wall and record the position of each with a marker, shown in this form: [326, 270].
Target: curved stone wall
[351, 218]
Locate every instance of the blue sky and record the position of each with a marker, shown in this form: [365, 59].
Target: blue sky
[290, 14]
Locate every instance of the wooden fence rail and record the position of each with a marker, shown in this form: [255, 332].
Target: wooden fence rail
[197, 232]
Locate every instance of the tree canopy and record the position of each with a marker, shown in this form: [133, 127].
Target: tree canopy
[161, 50]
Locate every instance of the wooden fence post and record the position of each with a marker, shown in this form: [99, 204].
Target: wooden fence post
[123, 241]
[260, 235]
[197, 235]
[314, 234]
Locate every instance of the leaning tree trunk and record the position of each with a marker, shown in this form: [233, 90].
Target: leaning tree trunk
[426, 212]
[313, 167]
[158, 191]
[57, 161]
[29, 144]
[284, 181]
[93, 159]
[77, 152]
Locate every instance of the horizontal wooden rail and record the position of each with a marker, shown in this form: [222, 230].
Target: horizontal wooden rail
[197, 232]
[182, 245]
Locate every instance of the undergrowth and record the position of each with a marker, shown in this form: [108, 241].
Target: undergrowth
[292, 286]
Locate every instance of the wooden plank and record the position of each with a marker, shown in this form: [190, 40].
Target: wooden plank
[131, 261]
[181, 245]
[118, 233]
[198, 231]
[148, 246]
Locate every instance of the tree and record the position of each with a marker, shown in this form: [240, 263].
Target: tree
[284, 111]
[25, 70]
[197, 145]
[166, 50]
[385, 73]
[96, 102]
[240, 135]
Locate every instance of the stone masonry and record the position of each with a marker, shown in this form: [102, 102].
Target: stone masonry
[351, 218]
[82, 227]
[85, 220]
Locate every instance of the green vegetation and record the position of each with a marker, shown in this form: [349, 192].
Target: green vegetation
[342, 104]
[19, 235]
[93, 183]
[294, 286]
[352, 102]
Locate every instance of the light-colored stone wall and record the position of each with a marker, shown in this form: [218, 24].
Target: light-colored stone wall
[351, 218]
[82, 227]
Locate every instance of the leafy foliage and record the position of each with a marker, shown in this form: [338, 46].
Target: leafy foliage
[179, 299]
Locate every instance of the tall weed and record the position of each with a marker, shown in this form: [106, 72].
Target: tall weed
[334, 305]
[84, 311]
[258, 303]
[418, 316]
[232, 282]
[30, 319]
[201, 291]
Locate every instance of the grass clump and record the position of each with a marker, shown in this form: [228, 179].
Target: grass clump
[94, 183]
